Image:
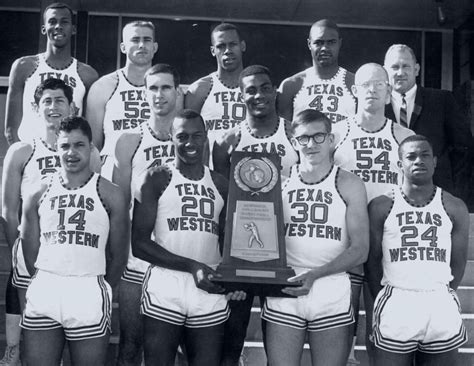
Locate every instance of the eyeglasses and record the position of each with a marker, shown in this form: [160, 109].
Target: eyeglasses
[378, 84]
[318, 138]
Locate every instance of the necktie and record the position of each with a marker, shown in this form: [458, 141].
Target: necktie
[403, 112]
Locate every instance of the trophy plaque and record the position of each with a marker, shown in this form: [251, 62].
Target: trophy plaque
[254, 255]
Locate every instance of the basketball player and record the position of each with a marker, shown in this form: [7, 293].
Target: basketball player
[217, 96]
[419, 235]
[182, 207]
[326, 234]
[74, 235]
[262, 131]
[366, 145]
[136, 152]
[25, 165]
[116, 103]
[29, 71]
[325, 86]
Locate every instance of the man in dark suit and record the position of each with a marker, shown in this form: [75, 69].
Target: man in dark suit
[433, 113]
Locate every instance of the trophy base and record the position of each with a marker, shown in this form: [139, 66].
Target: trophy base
[261, 281]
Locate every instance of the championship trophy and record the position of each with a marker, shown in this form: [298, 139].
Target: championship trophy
[254, 256]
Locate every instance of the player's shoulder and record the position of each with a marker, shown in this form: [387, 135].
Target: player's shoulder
[87, 73]
[381, 205]
[104, 86]
[19, 152]
[24, 66]
[349, 79]
[349, 184]
[401, 133]
[200, 86]
[129, 140]
[454, 206]
[110, 192]
[293, 83]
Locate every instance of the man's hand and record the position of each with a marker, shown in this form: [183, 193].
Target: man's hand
[203, 275]
[306, 278]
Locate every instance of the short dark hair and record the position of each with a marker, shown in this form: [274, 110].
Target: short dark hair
[310, 116]
[59, 6]
[255, 70]
[326, 23]
[413, 138]
[164, 69]
[53, 84]
[222, 27]
[190, 114]
[76, 123]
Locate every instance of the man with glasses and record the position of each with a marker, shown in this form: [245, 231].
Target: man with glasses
[325, 86]
[326, 234]
[367, 143]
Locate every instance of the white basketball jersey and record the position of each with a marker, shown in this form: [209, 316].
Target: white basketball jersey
[277, 143]
[126, 109]
[31, 125]
[151, 152]
[74, 229]
[315, 220]
[223, 109]
[417, 244]
[330, 96]
[372, 156]
[42, 162]
[187, 220]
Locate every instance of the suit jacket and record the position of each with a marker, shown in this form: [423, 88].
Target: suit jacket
[437, 116]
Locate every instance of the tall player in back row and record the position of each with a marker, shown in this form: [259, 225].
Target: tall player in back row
[116, 102]
[21, 122]
[217, 96]
[74, 233]
[419, 237]
[325, 86]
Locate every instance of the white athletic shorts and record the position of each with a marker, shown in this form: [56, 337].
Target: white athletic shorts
[172, 296]
[327, 305]
[21, 276]
[428, 321]
[79, 305]
[135, 269]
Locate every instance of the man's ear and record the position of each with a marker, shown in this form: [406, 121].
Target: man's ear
[74, 30]
[43, 30]
[417, 69]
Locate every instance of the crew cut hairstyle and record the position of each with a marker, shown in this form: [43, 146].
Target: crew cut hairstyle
[255, 70]
[413, 138]
[222, 27]
[59, 6]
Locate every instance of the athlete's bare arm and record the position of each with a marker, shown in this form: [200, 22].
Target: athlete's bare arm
[87, 73]
[353, 192]
[197, 93]
[13, 164]
[98, 96]
[147, 195]
[222, 150]
[119, 233]
[21, 69]
[30, 228]
[401, 133]
[286, 93]
[222, 185]
[379, 208]
[95, 162]
[124, 150]
[459, 215]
